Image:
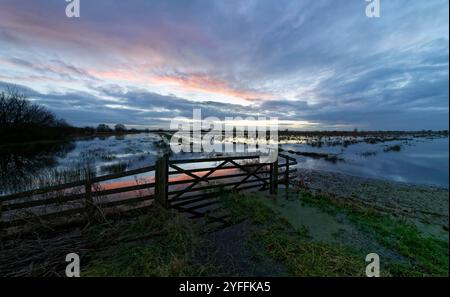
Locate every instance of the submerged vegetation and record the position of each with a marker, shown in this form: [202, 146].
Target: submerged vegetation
[275, 237]
[424, 254]
[393, 148]
[327, 157]
[114, 168]
[305, 254]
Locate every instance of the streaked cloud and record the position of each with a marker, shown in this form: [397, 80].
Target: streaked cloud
[318, 62]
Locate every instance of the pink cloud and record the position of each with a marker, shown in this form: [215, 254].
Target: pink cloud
[207, 84]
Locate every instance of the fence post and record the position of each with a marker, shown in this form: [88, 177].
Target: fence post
[89, 202]
[1, 221]
[161, 181]
[271, 178]
[274, 177]
[287, 174]
[275, 174]
[286, 178]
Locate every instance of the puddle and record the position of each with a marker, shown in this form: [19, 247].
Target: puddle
[329, 229]
[321, 226]
[434, 231]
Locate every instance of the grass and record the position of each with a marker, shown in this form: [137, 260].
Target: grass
[427, 256]
[160, 243]
[276, 238]
[114, 168]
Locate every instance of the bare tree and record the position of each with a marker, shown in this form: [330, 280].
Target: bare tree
[21, 119]
[103, 128]
[120, 128]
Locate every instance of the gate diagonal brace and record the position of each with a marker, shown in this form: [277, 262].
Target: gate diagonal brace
[248, 171]
[248, 176]
[188, 188]
[181, 170]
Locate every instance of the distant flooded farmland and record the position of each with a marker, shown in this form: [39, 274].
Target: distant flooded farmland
[420, 160]
[413, 160]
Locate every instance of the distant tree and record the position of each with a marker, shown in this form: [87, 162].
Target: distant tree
[103, 128]
[88, 130]
[21, 119]
[120, 128]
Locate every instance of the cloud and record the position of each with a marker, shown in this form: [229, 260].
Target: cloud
[207, 84]
[319, 61]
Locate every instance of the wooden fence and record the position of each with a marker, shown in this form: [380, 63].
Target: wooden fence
[170, 186]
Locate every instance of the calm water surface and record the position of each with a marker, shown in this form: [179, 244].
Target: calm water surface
[420, 160]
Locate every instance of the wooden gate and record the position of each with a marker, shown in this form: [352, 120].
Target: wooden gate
[193, 189]
[196, 190]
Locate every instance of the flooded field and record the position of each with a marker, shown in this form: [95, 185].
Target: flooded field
[418, 160]
[411, 160]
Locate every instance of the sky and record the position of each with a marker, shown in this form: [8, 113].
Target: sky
[314, 64]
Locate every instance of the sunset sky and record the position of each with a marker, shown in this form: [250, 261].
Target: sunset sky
[318, 64]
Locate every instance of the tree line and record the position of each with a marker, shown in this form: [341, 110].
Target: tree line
[22, 120]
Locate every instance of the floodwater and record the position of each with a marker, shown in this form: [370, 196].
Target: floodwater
[416, 160]
[419, 160]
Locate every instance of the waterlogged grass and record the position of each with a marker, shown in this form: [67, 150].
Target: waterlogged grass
[304, 257]
[163, 243]
[114, 168]
[277, 238]
[393, 148]
[426, 256]
[281, 236]
[160, 243]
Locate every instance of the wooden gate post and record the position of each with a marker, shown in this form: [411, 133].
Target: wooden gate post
[271, 187]
[275, 176]
[161, 181]
[287, 174]
[286, 178]
[1, 221]
[89, 201]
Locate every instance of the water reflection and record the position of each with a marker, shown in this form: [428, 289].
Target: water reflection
[419, 160]
[19, 164]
